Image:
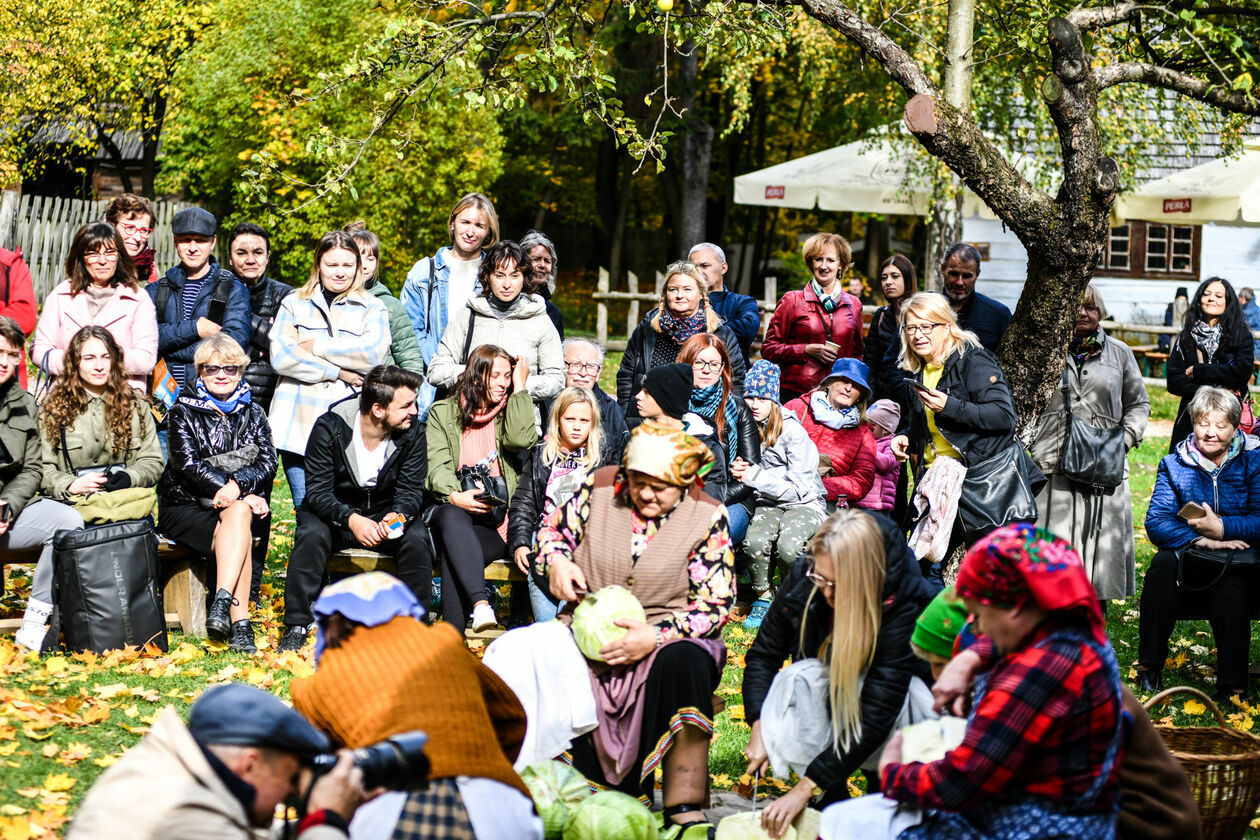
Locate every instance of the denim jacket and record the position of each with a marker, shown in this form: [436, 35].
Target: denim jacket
[427, 307]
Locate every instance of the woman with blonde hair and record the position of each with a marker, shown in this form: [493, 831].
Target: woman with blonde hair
[683, 312]
[814, 326]
[556, 468]
[850, 603]
[215, 488]
[325, 339]
[959, 408]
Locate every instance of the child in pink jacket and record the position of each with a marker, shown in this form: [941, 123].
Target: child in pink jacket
[883, 417]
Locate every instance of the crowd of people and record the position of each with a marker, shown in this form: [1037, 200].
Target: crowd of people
[455, 426]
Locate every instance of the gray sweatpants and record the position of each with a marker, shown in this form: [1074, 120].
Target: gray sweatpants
[775, 532]
[35, 526]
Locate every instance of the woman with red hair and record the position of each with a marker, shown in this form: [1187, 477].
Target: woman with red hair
[727, 416]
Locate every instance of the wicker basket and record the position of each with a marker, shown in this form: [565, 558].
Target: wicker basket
[1222, 764]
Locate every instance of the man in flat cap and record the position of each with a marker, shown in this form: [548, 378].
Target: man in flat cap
[241, 754]
[196, 298]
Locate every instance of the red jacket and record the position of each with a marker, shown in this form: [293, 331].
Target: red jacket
[852, 453]
[799, 319]
[17, 298]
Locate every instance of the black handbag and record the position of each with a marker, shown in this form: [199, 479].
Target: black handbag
[235, 459]
[477, 477]
[1090, 456]
[1000, 490]
[107, 593]
[1219, 560]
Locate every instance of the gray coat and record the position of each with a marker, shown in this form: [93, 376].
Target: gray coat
[1106, 391]
[788, 474]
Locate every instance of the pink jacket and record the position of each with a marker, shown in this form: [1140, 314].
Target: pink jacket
[128, 315]
[883, 493]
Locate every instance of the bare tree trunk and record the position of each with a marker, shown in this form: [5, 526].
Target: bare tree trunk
[944, 229]
[115, 155]
[695, 158]
[616, 257]
[149, 148]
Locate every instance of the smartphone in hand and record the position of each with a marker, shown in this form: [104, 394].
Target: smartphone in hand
[917, 385]
[488, 499]
[1191, 510]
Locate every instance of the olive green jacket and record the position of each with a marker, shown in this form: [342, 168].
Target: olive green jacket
[514, 431]
[20, 465]
[88, 447]
[404, 350]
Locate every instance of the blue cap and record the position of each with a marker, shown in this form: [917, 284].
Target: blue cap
[854, 370]
[195, 221]
[250, 717]
[762, 380]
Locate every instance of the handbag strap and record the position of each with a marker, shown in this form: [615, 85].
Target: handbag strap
[472, 315]
[66, 447]
[1181, 560]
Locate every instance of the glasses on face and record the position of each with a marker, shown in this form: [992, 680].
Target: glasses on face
[820, 581]
[215, 370]
[582, 367]
[128, 229]
[915, 329]
[101, 256]
[701, 367]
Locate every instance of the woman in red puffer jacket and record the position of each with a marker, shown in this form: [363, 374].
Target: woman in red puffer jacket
[832, 417]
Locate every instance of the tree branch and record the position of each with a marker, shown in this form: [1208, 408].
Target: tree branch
[899, 65]
[1099, 17]
[1232, 101]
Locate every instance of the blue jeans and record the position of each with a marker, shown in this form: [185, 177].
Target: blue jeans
[738, 517]
[544, 606]
[166, 452]
[295, 472]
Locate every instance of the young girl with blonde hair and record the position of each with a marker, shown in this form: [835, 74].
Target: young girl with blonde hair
[851, 604]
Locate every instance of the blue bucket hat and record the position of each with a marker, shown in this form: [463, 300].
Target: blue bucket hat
[762, 380]
[854, 370]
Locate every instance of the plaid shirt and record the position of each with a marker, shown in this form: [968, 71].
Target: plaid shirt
[1042, 728]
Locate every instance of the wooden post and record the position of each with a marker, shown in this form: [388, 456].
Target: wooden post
[771, 299]
[632, 311]
[9, 219]
[601, 312]
[186, 591]
[660, 284]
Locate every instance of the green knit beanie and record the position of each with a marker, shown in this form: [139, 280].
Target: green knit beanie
[938, 627]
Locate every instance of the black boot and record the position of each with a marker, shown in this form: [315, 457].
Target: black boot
[243, 637]
[219, 620]
[294, 637]
[1150, 680]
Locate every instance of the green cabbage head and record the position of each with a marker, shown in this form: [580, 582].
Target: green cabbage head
[611, 815]
[556, 789]
[593, 619]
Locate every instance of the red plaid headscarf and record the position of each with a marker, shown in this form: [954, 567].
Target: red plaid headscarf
[1018, 564]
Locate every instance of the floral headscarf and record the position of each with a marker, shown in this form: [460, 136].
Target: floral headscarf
[370, 599]
[1020, 564]
[671, 455]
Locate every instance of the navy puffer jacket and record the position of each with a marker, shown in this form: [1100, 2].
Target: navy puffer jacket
[1232, 489]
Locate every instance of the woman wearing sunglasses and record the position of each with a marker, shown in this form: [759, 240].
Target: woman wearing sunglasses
[851, 602]
[213, 492]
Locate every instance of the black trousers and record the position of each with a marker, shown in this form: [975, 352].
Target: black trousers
[316, 540]
[258, 556]
[1228, 607]
[467, 547]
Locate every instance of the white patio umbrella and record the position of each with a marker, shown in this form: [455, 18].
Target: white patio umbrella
[1219, 191]
[866, 176]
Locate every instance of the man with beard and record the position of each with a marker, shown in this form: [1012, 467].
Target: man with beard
[365, 468]
[983, 315]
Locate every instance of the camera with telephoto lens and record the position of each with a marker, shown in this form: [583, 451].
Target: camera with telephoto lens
[397, 763]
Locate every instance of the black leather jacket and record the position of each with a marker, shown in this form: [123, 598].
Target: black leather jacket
[748, 447]
[264, 302]
[525, 510]
[634, 364]
[196, 430]
[906, 594]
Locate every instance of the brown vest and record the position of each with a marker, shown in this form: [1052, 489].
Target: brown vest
[659, 579]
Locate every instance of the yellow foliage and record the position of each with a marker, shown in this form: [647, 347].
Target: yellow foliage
[57, 782]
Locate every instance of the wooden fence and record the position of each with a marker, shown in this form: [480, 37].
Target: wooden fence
[43, 228]
[603, 295]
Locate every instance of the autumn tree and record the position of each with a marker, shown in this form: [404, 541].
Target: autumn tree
[95, 70]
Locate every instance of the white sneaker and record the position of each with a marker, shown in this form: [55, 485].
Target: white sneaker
[483, 618]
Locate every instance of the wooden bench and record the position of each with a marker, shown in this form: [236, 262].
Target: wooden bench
[185, 591]
[1155, 361]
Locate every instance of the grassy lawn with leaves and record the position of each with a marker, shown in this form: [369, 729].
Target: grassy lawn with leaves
[65, 718]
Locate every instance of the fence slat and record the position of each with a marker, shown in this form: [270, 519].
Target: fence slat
[44, 226]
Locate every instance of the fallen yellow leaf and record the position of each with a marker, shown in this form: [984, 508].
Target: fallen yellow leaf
[55, 665]
[9, 748]
[50, 750]
[58, 782]
[109, 692]
[12, 810]
[105, 761]
[1194, 707]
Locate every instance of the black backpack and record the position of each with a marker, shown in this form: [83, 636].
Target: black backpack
[217, 311]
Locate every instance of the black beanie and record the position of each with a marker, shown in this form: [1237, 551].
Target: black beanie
[670, 386]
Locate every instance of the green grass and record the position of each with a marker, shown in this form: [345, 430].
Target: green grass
[44, 704]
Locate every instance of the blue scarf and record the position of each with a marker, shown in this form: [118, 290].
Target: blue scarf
[705, 402]
[832, 417]
[240, 398]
